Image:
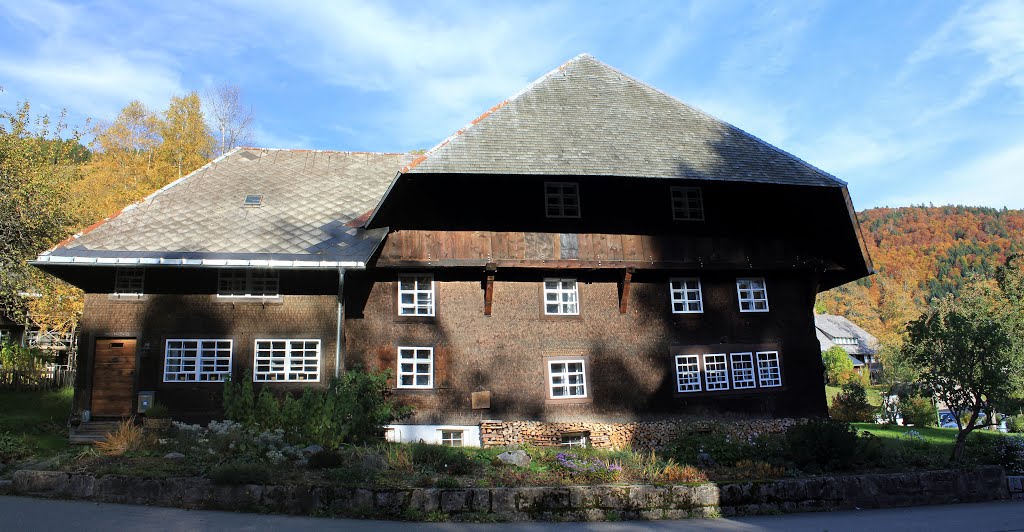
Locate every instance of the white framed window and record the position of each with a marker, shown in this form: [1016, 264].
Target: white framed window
[716, 372]
[742, 370]
[688, 373]
[197, 361]
[753, 294]
[687, 204]
[769, 371]
[574, 439]
[686, 296]
[129, 281]
[567, 379]
[451, 438]
[5, 336]
[416, 295]
[287, 360]
[561, 200]
[247, 283]
[561, 297]
[415, 367]
[844, 340]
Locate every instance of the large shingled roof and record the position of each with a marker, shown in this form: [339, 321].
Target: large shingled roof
[586, 118]
[308, 199]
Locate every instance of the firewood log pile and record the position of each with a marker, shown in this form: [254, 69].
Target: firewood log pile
[643, 435]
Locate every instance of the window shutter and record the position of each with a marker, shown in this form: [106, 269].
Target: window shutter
[387, 358]
[441, 363]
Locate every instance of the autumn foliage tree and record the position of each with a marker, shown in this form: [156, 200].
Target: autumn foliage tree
[186, 143]
[38, 169]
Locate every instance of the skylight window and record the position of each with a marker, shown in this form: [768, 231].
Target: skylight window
[253, 200]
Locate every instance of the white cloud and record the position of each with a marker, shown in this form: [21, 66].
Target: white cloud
[993, 32]
[65, 64]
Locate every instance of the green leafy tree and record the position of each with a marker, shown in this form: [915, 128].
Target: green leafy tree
[968, 354]
[838, 365]
[37, 169]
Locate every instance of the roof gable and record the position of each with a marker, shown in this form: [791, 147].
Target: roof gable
[586, 118]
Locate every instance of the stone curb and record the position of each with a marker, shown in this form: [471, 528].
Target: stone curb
[573, 503]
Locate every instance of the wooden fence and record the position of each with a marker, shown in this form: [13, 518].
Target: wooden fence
[49, 378]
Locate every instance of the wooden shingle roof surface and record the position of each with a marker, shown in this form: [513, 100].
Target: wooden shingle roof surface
[310, 201]
[586, 118]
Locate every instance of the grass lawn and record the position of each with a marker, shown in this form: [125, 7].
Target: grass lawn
[38, 417]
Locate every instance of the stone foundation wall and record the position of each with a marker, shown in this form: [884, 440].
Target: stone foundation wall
[653, 434]
[575, 503]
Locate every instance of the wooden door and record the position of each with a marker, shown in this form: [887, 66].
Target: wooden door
[113, 377]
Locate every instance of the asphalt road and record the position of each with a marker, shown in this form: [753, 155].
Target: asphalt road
[27, 514]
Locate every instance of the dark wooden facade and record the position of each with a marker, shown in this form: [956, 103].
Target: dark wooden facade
[489, 258]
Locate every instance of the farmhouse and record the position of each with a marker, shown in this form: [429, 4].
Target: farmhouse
[590, 252]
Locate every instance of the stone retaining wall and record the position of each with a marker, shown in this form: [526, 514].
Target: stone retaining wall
[575, 503]
[652, 434]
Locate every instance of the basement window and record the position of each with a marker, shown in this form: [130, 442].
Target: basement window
[575, 439]
[451, 438]
[253, 200]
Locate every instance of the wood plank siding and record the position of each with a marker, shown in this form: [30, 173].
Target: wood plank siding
[421, 248]
[113, 386]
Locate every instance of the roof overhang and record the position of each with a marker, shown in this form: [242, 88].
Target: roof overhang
[65, 260]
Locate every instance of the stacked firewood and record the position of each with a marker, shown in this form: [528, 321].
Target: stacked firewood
[643, 435]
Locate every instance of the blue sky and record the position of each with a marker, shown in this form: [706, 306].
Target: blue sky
[909, 102]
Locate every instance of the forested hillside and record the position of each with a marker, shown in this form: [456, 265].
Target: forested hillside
[921, 253]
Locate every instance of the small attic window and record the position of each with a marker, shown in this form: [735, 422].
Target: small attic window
[253, 200]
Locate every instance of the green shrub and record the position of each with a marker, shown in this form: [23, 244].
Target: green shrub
[822, 445]
[158, 411]
[240, 473]
[838, 365]
[919, 412]
[351, 410]
[686, 447]
[442, 459]
[448, 483]
[1015, 424]
[325, 459]
[12, 447]
[851, 404]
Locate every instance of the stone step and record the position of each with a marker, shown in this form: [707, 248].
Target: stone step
[92, 431]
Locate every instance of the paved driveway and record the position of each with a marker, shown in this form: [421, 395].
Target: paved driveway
[27, 514]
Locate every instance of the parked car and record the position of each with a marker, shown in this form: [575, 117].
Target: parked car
[946, 420]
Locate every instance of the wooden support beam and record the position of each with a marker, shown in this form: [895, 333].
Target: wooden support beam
[489, 287]
[627, 277]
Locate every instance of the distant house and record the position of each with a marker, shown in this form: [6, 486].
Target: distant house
[838, 331]
[588, 254]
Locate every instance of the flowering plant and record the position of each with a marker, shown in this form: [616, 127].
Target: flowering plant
[591, 469]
